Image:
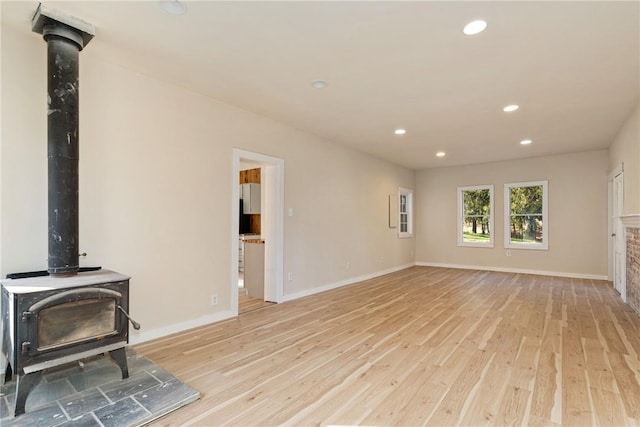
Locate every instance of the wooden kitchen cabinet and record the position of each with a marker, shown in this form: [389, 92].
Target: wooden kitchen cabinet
[250, 175]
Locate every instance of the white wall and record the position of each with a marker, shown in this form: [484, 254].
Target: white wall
[155, 188]
[626, 149]
[577, 214]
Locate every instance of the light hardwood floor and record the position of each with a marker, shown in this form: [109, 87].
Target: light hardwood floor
[247, 303]
[421, 346]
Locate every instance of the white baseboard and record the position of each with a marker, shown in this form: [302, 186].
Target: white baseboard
[515, 270]
[350, 281]
[136, 337]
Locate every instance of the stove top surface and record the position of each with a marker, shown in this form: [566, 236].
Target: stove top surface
[39, 284]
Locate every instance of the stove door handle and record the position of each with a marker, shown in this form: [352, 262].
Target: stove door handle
[135, 324]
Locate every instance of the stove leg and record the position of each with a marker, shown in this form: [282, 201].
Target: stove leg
[8, 374]
[24, 385]
[120, 358]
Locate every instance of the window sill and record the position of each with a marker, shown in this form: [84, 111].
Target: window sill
[527, 247]
[476, 245]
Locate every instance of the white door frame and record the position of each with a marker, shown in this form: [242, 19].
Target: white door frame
[272, 228]
[617, 259]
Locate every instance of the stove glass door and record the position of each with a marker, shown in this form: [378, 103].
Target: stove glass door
[76, 321]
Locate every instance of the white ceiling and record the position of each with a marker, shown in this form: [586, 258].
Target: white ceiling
[573, 67]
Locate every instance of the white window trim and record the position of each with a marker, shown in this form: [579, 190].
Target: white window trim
[409, 194]
[492, 230]
[544, 246]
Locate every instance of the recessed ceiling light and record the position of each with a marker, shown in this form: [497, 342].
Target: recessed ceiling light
[526, 142]
[174, 7]
[510, 108]
[400, 131]
[474, 27]
[441, 154]
[319, 84]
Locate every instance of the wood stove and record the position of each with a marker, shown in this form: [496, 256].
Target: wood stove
[62, 316]
[48, 322]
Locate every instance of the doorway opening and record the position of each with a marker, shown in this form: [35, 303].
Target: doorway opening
[257, 237]
[617, 256]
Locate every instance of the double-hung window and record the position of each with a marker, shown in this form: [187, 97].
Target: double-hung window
[526, 219]
[405, 212]
[475, 216]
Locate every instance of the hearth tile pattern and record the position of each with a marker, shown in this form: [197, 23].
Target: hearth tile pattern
[92, 393]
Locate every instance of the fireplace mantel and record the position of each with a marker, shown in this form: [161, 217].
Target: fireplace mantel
[632, 220]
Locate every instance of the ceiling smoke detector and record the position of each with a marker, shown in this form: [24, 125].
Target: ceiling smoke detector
[319, 84]
[174, 7]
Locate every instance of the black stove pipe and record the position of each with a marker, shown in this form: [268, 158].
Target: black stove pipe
[65, 37]
[62, 151]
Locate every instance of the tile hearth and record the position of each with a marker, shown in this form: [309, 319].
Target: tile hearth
[92, 393]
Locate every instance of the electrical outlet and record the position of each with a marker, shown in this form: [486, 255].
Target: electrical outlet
[290, 276]
[214, 299]
[508, 252]
[348, 265]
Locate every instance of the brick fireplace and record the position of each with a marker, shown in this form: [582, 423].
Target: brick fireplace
[632, 233]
